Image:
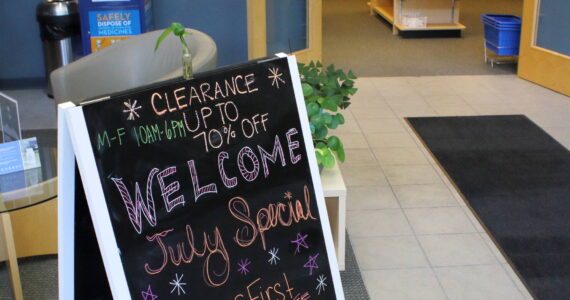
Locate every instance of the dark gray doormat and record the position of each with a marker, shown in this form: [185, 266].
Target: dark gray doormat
[39, 278]
[352, 282]
[516, 178]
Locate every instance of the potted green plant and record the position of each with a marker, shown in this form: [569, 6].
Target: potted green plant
[178, 30]
[327, 90]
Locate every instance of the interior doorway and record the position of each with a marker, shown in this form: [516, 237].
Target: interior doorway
[354, 39]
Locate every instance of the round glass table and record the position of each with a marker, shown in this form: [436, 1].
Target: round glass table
[34, 183]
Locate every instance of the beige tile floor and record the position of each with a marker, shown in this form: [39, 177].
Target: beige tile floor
[413, 236]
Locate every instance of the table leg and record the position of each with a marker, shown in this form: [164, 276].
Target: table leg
[342, 231]
[6, 225]
[336, 207]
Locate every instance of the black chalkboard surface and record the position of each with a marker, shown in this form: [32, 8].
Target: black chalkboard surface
[208, 188]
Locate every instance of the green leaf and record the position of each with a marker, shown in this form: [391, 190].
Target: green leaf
[328, 159]
[311, 99]
[321, 145]
[312, 109]
[313, 128]
[333, 81]
[330, 69]
[327, 118]
[319, 65]
[348, 83]
[317, 120]
[339, 118]
[321, 133]
[307, 89]
[319, 154]
[331, 105]
[329, 90]
[337, 99]
[162, 37]
[333, 142]
[178, 29]
[340, 153]
[351, 75]
[334, 124]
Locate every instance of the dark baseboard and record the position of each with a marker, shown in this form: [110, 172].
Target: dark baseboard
[431, 34]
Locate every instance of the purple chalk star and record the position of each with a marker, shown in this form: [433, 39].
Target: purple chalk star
[243, 266]
[148, 293]
[300, 241]
[311, 263]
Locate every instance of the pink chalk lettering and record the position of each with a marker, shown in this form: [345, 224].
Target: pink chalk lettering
[293, 145]
[265, 156]
[198, 190]
[247, 174]
[137, 209]
[228, 182]
[170, 189]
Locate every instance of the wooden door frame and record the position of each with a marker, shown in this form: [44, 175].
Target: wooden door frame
[257, 31]
[539, 65]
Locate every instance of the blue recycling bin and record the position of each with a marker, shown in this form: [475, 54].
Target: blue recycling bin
[502, 33]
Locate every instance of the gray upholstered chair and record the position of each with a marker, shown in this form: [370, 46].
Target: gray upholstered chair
[131, 63]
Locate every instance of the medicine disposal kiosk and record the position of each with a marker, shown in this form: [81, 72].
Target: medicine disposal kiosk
[106, 22]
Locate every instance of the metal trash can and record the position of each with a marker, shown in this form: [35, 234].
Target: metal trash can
[60, 33]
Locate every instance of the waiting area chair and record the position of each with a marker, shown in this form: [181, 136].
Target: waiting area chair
[131, 63]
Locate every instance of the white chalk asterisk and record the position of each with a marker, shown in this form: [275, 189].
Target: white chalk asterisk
[131, 109]
[321, 284]
[275, 76]
[177, 283]
[274, 258]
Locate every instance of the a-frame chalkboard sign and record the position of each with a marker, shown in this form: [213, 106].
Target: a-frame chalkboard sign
[196, 189]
